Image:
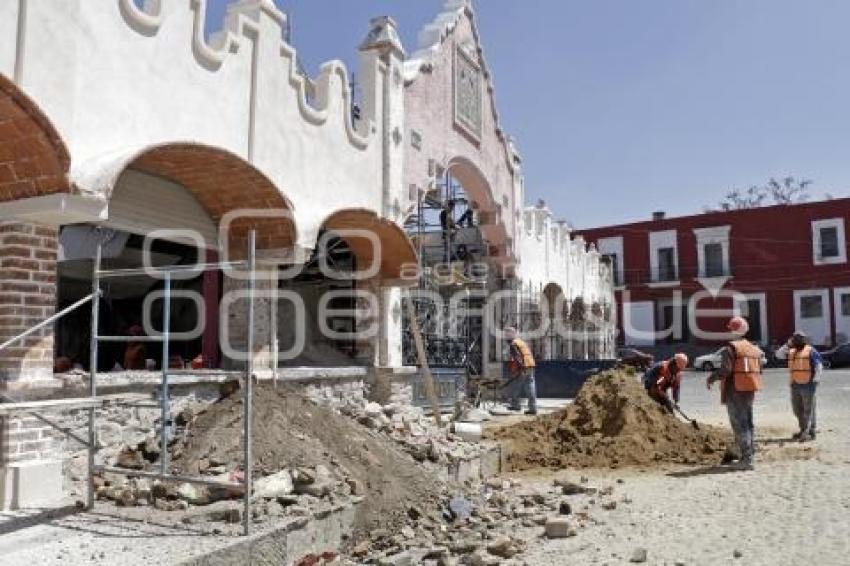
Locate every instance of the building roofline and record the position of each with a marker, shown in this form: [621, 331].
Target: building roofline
[718, 214]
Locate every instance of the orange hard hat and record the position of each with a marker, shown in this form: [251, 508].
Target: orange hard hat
[738, 325]
[681, 360]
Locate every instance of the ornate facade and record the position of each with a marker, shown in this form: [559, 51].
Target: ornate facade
[132, 122]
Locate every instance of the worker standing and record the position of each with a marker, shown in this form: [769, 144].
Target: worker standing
[805, 367]
[740, 378]
[521, 366]
[664, 377]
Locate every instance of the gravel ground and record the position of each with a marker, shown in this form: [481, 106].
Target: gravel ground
[794, 509]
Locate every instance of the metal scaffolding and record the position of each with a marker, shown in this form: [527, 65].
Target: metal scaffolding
[13, 406]
[447, 258]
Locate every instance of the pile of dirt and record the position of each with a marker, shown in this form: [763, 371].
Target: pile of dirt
[289, 432]
[612, 423]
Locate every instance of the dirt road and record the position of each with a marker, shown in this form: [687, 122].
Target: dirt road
[788, 511]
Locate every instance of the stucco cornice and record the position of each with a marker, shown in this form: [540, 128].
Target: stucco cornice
[315, 97]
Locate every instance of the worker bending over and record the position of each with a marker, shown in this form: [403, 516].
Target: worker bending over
[740, 378]
[663, 377]
[805, 367]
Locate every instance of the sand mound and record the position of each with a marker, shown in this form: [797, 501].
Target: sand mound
[612, 423]
[292, 432]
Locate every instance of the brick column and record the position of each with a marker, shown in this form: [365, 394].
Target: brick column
[27, 296]
[30, 474]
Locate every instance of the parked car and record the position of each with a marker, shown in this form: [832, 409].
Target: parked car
[710, 362]
[634, 358]
[837, 357]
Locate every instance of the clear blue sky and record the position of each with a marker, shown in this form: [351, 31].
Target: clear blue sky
[622, 107]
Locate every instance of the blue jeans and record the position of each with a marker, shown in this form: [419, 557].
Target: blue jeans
[739, 405]
[803, 404]
[523, 386]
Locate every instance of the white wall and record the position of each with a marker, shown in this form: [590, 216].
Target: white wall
[114, 80]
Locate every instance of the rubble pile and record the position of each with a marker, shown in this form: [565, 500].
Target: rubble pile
[612, 423]
[493, 526]
[413, 431]
[306, 457]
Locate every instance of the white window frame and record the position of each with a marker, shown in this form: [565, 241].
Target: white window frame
[742, 298]
[817, 226]
[823, 333]
[842, 322]
[658, 240]
[614, 245]
[712, 235]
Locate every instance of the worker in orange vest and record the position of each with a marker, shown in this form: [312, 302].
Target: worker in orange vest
[521, 366]
[740, 377]
[663, 377]
[805, 366]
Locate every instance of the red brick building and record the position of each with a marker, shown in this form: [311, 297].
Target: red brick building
[783, 267]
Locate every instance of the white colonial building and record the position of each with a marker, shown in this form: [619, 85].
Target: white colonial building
[130, 128]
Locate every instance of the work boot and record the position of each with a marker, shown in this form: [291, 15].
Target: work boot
[531, 412]
[805, 438]
[745, 466]
[796, 436]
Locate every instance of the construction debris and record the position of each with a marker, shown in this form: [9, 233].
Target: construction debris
[612, 423]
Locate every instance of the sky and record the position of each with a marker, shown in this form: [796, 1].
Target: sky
[624, 107]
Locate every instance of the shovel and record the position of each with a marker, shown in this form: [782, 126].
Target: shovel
[693, 422]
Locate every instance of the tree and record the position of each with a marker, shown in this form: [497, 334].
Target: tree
[788, 190]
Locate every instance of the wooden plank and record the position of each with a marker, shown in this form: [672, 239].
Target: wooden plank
[430, 390]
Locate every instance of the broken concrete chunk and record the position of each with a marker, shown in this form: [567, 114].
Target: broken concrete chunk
[400, 559]
[559, 527]
[373, 410]
[356, 486]
[275, 485]
[194, 494]
[505, 547]
[303, 476]
[460, 509]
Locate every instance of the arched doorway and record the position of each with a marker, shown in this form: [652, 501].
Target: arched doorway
[168, 205]
[344, 286]
[460, 248]
[556, 341]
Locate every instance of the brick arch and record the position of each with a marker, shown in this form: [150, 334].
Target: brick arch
[474, 182]
[34, 160]
[479, 190]
[223, 183]
[397, 254]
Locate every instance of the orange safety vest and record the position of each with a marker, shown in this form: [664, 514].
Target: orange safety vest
[665, 380]
[746, 368]
[800, 365]
[525, 351]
